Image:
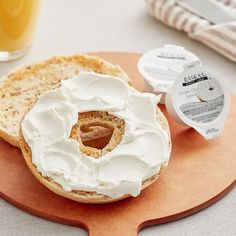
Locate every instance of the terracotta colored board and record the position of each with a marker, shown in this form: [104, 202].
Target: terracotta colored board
[200, 173]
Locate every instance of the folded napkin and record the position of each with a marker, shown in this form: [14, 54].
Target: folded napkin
[221, 36]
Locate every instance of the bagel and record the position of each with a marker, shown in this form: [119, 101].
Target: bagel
[20, 89]
[97, 136]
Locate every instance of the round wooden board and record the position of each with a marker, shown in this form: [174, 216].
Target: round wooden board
[200, 173]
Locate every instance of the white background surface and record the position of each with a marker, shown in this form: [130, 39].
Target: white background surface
[74, 26]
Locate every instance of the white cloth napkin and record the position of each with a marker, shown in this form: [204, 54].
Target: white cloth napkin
[220, 37]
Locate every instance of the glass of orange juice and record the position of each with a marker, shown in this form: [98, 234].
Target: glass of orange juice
[17, 24]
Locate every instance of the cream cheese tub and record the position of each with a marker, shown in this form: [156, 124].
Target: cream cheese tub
[198, 98]
[160, 67]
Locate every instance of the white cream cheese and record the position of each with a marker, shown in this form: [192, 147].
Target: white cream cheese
[139, 156]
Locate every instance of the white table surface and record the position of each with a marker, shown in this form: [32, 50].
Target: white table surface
[74, 26]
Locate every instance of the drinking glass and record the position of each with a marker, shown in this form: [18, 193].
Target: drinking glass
[18, 19]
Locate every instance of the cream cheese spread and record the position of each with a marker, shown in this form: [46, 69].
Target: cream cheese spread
[139, 156]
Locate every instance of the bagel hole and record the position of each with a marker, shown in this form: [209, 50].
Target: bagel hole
[96, 134]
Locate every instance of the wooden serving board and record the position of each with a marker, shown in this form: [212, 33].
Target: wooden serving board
[200, 173]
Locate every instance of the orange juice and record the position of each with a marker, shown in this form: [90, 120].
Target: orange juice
[17, 23]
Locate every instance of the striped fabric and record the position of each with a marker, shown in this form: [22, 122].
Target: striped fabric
[220, 37]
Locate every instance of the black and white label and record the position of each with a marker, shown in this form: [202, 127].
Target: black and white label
[203, 112]
[200, 99]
